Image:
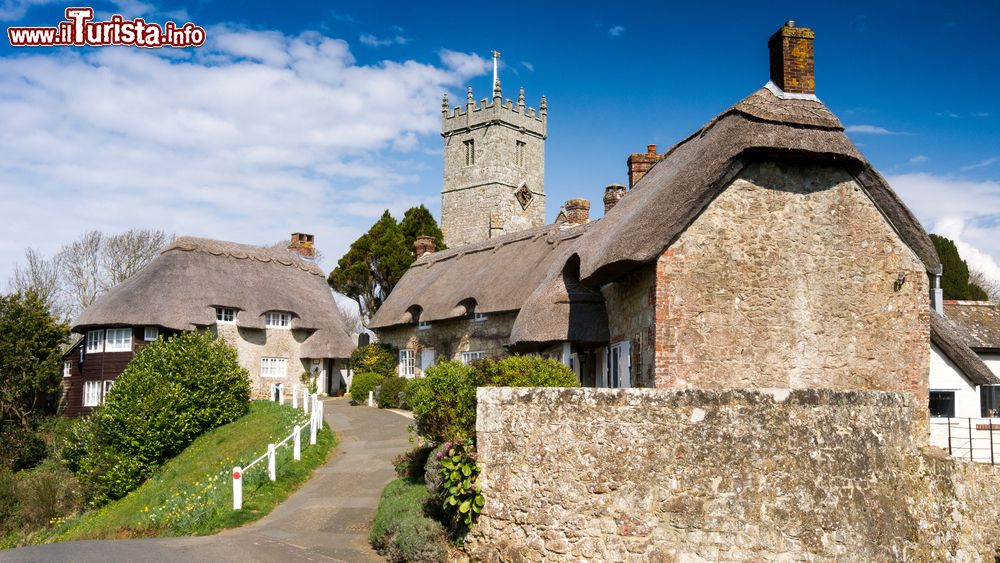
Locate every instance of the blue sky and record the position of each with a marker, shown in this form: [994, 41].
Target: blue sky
[318, 116]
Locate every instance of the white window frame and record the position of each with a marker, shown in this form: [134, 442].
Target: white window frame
[277, 319]
[406, 363]
[67, 369]
[225, 315]
[91, 393]
[620, 365]
[108, 384]
[150, 333]
[118, 340]
[478, 317]
[423, 325]
[273, 367]
[95, 341]
[473, 356]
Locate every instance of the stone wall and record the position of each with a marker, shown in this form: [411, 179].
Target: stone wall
[449, 339]
[779, 475]
[631, 308]
[791, 278]
[252, 344]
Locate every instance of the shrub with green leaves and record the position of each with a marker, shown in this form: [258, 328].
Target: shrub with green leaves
[361, 384]
[170, 393]
[525, 371]
[375, 358]
[444, 402]
[462, 499]
[402, 531]
[392, 392]
[20, 448]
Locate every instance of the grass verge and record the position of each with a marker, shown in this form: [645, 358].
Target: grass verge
[402, 530]
[192, 493]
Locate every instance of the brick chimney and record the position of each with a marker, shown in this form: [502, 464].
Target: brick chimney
[577, 211]
[612, 194]
[303, 245]
[792, 59]
[423, 245]
[639, 164]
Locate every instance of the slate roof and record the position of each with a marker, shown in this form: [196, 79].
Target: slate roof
[181, 288]
[946, 336]
[978, 323]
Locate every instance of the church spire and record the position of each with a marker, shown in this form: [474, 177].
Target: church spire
[496, 55]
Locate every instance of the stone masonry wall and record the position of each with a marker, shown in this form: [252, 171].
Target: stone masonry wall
[450, 338]
[252, 344]
[792, 278]
[631, 307]
[769, 475]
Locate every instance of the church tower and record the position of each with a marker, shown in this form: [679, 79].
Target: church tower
[494, 167]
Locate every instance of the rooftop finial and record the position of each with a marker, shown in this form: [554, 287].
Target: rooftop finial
[444, 103]
[469, 101]
[496, 55]
[520, 99]
[543, 108]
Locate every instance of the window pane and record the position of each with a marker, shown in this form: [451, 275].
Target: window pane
[942, 404]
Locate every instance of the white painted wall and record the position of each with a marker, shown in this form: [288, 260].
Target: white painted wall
[992, 361]
[945, 376]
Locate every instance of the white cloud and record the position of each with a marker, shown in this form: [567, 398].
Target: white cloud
[965, 211]
[529, 66]
[919, 159]
[253, 136]
[373, 41]
[616, 31]
[980, 164]
[11, 10]
[869, 130]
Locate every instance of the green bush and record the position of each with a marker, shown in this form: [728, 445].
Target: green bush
[460, 491]
[9, 502]
[361, 384]
[444, 403]
[20, 448]
[391, 394]
[410, 464]
[46, 495]
[375, 358]
[525, 371]
[170, 393]
[402, 531]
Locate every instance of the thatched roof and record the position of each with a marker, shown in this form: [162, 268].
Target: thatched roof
[562, 309]
[695, 171]
[493, 276]
[181, 288]
[978, 323]
[946, 337]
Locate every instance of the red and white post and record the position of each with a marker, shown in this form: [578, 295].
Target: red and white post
[237, 488]
[271, 467]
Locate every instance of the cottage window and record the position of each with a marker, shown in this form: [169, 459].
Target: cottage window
[990, 400]
[942, 404]
[225, 314]
[479, 317]
[95, 341]
[118, 340]
[278, 320]
[91, 393]
[469, 357]
[423, 325]
[151, 333]
[67, 367]
[107, 387]
[406, 363]
[273, 367]
[619, 374]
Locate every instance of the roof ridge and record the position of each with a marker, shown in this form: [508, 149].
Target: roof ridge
[240, 251]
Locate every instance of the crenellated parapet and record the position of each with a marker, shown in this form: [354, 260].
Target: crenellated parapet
[495, 111]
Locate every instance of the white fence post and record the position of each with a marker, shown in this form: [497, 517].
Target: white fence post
[371, 398]
[305, 401]
[237, 488]
[271, 469]
[281, 394]
[295, 396]
[297, 441]
[319, 417]
[312, 430]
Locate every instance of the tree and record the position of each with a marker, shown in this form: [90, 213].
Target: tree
[31, 343]
[418, 222]
[990, 285]
[373, 265]
[124, 254]
[42, 276]
[955, 278]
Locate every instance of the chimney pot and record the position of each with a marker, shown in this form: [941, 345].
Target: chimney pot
[792, 64]
[651, 149]
[612, 195]
[640, 163]
[423, 245]
[577, 211]
[303, 244]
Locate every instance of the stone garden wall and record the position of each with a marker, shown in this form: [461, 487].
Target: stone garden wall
[665, 475]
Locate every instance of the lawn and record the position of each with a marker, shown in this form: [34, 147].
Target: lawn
[192, 493]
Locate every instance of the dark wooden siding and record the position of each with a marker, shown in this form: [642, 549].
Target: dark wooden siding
[96, 366]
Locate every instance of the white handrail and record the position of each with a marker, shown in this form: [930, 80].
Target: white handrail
[315, 424]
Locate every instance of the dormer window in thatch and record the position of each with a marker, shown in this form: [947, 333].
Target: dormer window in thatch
[277, 319]
[225, 314]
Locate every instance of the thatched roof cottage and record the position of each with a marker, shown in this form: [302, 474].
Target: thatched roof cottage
[272, 305]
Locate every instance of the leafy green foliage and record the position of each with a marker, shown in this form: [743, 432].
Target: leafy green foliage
[20, 448]
[402, 531]
[955, 278]
[172, 391]
[418, 222]
[30, 355]
[444, 402]
[525, 371]
[462, 499]
[373, 265]
[374, 358]
[361, 384]
[391, 393]
[410, 464]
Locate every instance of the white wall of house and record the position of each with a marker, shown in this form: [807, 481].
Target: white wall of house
[992, 361]
[945, 376]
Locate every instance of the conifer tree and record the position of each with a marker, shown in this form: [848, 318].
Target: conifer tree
[955, 279]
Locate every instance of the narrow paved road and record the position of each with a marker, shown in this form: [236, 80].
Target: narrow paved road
[326, 520]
